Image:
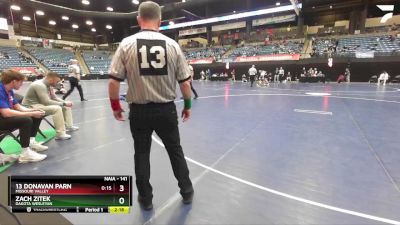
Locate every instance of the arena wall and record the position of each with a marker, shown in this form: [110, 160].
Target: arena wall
[361, 69]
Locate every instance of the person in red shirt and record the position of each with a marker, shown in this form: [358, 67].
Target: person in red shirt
[341, 78]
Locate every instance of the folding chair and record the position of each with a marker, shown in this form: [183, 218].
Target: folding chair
[396, 79]
[5, 133]
[373, 79]
[50, 124]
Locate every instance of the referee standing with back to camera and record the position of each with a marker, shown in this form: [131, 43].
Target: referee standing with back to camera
[153, 64]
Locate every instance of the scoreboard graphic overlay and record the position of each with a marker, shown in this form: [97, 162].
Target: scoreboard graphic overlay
[70, 194]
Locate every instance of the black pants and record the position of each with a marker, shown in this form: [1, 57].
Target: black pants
[252, 78]
[27, 126]
[163, 119]
[194, 91]
[74, 82]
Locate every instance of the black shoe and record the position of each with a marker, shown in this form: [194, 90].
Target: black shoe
[196, 97]
[84, 100]
[145, 204]
[187, 198]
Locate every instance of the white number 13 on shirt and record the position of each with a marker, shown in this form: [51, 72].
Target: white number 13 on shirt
[160, 55]
[152, 57]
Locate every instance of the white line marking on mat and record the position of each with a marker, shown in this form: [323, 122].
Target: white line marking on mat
[299, 199]
[176, 196]
[313, 112]
[318, 94]
[298, 95]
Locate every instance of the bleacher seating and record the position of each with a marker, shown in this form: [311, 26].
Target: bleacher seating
[205, 53]
[98, 62]
[324, 46]
[383, 45]
[289, 47]
[12, 57]
[56, 60]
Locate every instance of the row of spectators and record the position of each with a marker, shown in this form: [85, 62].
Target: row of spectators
[217, 53]
[281, 47]
[311, 72]
[53, 63]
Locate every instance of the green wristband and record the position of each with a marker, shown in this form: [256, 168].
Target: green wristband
[188, 103]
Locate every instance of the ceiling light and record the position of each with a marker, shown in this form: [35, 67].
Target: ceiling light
[386, 8]
[110, 9]
[109, 27]
[136, 2]
[15, 7]
[277, 3]
[75, 26]
[26, 18]
[85, 2]
[65, 17]
[93, 29]
[52, 22]
[330, 7]
[39, 13]
[183, 0]
[171, 22]
[89, 22]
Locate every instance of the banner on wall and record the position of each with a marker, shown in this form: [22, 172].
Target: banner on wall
[3, 28]
[229, 26]
[274, 20]
[278, 57]
[188, 32]
[202, 61]
[25, 70]
[365, 55]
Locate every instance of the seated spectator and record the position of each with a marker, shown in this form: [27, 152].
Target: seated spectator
[203, 75]
[40, 95]
[60, 88]
[269, 77]
[39, 73]
[262, 74]
[383, 77]
[289, 77]
[244, 79]
[341, 78]
[15, 116]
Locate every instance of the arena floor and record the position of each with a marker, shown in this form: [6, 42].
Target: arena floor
[283, 154]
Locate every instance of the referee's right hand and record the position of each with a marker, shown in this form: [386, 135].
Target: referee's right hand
[118, 115]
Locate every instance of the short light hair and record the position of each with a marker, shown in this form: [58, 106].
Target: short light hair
[7, 76]
[52, 75]
[150, 10]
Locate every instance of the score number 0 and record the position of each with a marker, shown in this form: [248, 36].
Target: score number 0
[121, 199]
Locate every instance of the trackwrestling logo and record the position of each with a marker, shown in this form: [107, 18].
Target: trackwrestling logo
[389, 12]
